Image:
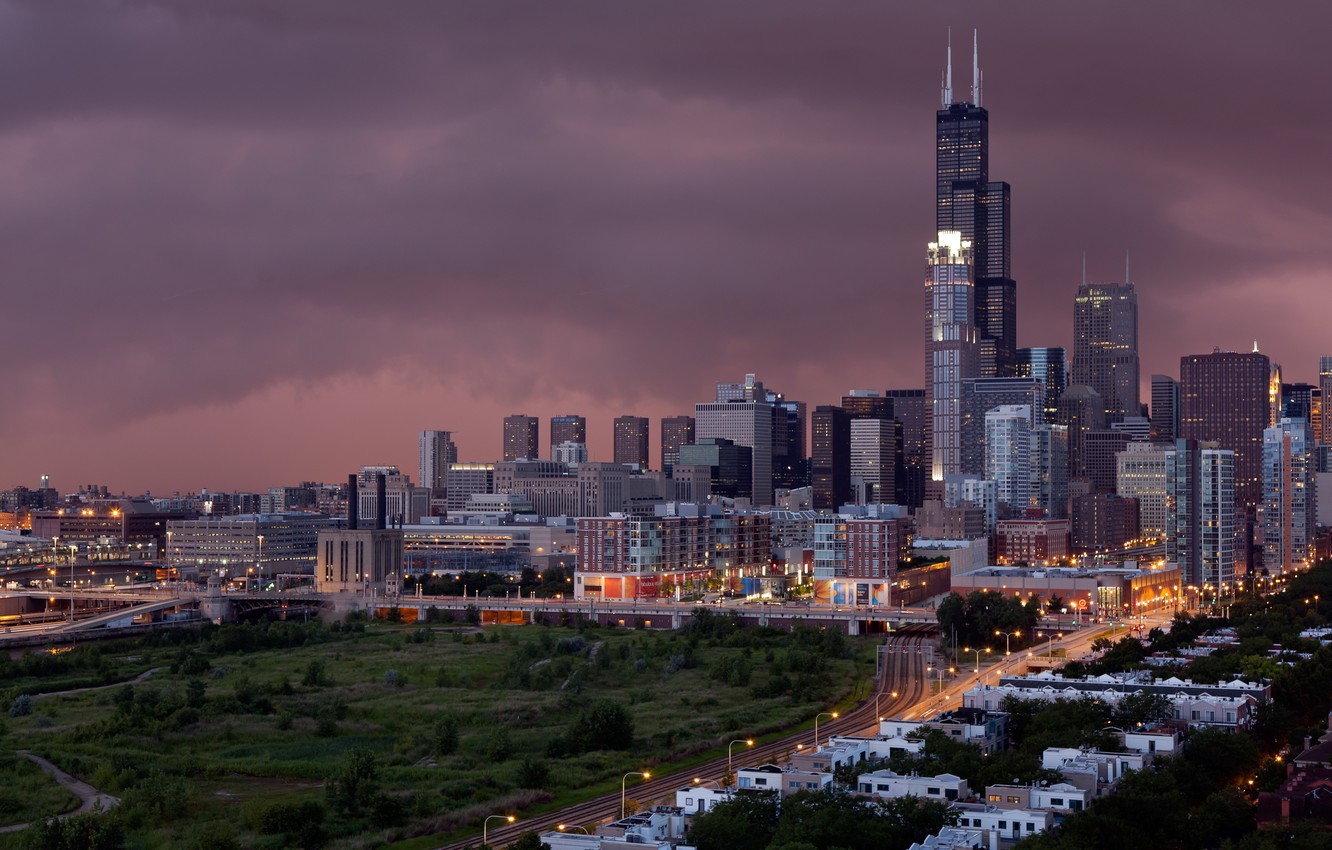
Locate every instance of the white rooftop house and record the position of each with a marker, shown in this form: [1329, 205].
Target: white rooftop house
[886, 784]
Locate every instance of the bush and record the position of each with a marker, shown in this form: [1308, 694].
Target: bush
[21, 706]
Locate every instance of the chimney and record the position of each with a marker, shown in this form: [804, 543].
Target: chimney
[381, 502]
[353, 503]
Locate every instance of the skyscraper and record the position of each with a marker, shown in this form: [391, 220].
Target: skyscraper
[1325, 388]
[1048, 464]
[1105, 345]
[521, 433]
[1225, 396]
[1008, 457]
[437, 452]
[789, 463]
[747, 421]
[1200, 514]
[631, 440]
[910, 409]
[1165, 409]
[1290, 505]
[676, 431]
[967, 201]
[876, 455]
[570, 428]
[981, 395]
[950, 347]
[1048, 366]
[1081, 410]
[830, 457]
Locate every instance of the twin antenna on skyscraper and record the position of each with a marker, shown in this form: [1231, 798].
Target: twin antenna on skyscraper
[977, 79]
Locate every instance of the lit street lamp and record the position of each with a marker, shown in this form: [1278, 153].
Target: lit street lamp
[749, 742]
[831, 714]
[564, 826]
[623, 780]
[485, 827]
[1007, 635]
[976, 669]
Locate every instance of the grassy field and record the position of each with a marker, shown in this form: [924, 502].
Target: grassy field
[27, 793]
[284, 735]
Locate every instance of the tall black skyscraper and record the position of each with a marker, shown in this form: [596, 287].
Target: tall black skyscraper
[967, 201]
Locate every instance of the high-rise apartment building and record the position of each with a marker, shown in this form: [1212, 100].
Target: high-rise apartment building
[465, 480]
[1048, 366]
[1200, 514]
[676, 431]
[1226, 397]
[1008, 457]
[1105, 345]
[521, 435]
[1081, 410]
[830, 457]
[1141, 474]
[790, 468]
[631, 440]
[1290, 504]
[876, 455]
[950, 347]
[1048, 464]
[1325, 392]
[909, 408]
[969, 203]
[746, 421]
[569, 428]
[437, 452]
[979, 397]
[1165, 409]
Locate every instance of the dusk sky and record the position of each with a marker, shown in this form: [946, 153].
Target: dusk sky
[246, 244]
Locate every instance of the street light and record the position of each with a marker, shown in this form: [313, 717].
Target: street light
[564, 826]
[699, 782]
[976, 669]
[1007, 635]
[749, 742]
[259, 564]
[623, 780]
[485, 827]
[831, 714]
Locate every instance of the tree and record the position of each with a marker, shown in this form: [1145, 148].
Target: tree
[605, 725]
[445, 739]
[352, 787]
[529, 841]
[1142, 709]
[745, 822]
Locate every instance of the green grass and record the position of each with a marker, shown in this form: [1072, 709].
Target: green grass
[256, 735]
[27, 793]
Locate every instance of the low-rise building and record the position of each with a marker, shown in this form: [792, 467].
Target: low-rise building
[1223, 704]
[888, 785]
[1060, 797]
[786, 781]
[1001, 828]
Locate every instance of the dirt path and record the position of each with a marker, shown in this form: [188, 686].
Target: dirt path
[136, 680]
[90, 799]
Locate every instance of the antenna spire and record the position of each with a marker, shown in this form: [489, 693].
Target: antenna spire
[1084, 268]
[948, 73]
[975, 69]
[1127, 279]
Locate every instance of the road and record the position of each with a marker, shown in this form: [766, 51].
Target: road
[903, 673]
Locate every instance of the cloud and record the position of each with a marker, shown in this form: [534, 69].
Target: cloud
[219, 212]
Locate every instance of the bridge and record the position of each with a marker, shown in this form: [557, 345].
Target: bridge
[36, 609]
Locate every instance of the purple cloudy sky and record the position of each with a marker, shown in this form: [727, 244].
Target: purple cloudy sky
[249, 243]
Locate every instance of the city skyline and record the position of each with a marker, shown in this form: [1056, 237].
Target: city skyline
[253, 247]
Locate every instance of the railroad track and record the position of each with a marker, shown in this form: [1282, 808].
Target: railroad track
[902, 673]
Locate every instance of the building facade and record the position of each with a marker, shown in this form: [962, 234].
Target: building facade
[1290, 500]
[631, 440]
[950, 347]
[676, 431]
[522, 435]
[1200, 513]
[1105, 345]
